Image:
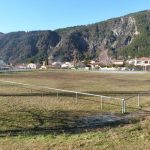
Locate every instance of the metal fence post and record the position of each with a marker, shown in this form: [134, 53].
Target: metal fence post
[138, 100]
[101, 102]
[76, 97]
[123, 106]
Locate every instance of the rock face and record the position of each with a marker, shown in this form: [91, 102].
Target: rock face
[91, 40]
[111, 37]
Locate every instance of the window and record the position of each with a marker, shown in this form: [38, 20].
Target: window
[139, 62]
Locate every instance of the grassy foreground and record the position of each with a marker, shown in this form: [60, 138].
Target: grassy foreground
[46, 123]
[129, 137]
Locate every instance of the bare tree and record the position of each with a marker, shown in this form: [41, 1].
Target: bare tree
[104, 57]
[75, 57]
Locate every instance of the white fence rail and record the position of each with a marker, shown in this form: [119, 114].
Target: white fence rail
[122, 100]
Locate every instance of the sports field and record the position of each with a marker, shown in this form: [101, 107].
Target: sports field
[41, 120]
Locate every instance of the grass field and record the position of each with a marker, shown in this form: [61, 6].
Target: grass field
[51, 123]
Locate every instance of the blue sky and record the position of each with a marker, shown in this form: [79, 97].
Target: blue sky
[27, 15]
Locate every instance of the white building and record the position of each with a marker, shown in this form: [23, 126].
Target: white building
[57, 64]
[43, 67]
[108, 69]
[118, 62]
[67, 65]
[21, 66]
[32, 66]
[143, 61]
[92, 62]
[64, 66]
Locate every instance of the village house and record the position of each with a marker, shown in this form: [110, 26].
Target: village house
[95, 65]
[56, 64]
[143, 61]
[21, 66]
[118, 62]
[67, 65]
[43, 65]
[32, 66]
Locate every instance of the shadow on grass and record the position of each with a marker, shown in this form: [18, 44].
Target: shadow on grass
[38, 92]
[36, 122]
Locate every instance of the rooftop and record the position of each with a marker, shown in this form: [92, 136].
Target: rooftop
[143, 58]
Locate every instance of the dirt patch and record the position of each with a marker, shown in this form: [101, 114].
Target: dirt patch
[104, 120]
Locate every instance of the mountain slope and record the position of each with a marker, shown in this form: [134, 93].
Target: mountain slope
[118, 37]
[21, 46]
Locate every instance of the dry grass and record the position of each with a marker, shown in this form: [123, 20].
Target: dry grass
[84, 81]
[36, 122]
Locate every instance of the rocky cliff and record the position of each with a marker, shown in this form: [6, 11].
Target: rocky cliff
[126, 36]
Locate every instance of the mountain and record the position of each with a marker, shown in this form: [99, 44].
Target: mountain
[1, 33]
[123, 37]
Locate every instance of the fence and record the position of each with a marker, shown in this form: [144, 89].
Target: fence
[76, 94]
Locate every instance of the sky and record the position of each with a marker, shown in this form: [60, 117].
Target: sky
[29, 15]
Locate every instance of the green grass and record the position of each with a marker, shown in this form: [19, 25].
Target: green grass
[36, 122]
[131, 137]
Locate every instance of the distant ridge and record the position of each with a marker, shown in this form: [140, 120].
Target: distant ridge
[123, 37]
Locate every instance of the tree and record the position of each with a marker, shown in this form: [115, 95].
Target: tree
[75, 57]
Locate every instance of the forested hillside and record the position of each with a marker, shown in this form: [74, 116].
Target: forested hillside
[122, 37]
